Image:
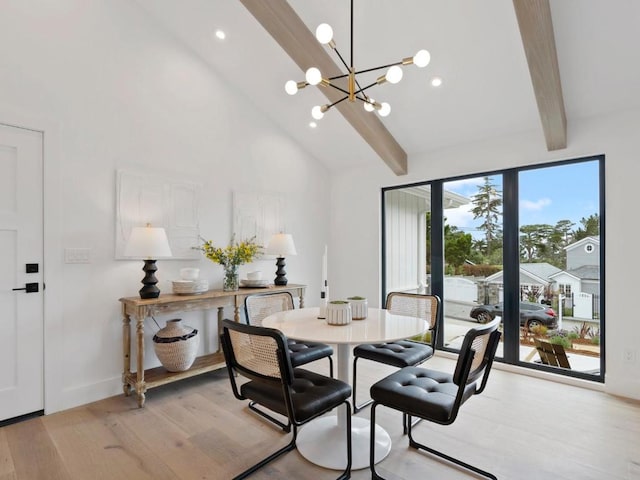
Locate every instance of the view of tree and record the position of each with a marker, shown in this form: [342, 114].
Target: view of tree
[591, 227]
[457, 247]
[538, 242]
[544, 243]
[488, 206]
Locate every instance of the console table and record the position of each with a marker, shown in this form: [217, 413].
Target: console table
[134, 307]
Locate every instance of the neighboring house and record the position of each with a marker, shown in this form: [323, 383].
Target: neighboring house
[580, 282]
[406, 235]
[535, 280]
[583, 252]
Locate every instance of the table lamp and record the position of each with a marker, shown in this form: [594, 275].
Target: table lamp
[148, 243]
[281, 245]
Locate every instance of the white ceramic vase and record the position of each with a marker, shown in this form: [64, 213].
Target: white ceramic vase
[359, 307]
[338, 312]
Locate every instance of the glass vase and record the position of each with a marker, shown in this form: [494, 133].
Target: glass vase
[230, 282]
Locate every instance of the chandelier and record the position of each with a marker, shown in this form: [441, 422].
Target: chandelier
[353, 91]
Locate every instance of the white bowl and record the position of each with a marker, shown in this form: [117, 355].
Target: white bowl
[254, 275]
[189, 273]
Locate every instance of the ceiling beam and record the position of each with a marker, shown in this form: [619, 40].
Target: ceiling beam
[285, 26]
[536, 30]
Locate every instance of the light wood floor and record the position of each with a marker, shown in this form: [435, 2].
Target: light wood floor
[520, 428]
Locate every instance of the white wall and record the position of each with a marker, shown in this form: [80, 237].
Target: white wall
[355, 218]
[112, 91]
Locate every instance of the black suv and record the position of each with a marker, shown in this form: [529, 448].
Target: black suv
[531, 314]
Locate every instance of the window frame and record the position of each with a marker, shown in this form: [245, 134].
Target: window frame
[511, 252]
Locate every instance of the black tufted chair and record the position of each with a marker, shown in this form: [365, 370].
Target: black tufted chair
[402, 353]
[259, 306]
[437, 396]
[262, 355]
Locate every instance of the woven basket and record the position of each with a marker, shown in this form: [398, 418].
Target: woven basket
[176, 345]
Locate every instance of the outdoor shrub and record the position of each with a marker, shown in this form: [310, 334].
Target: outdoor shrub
[539, 330]
[560, 340]
[481, 270]
[584, 331]
[573, 335]
[595, 340]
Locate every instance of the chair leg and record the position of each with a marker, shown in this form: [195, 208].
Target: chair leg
[347, 471]
[405, 422]
[414, 444]
[356, 407]
[287, 448]
[372, 444]
[285, 427]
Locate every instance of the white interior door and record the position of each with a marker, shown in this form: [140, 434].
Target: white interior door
[21, 243]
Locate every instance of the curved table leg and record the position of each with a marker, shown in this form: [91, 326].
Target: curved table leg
[323, 441]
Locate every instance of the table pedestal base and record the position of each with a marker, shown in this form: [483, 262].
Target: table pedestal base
[324, 443]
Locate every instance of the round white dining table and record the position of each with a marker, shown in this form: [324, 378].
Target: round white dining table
[323, 441]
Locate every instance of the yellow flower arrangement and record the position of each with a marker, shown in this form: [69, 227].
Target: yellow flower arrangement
[233, 254]
[230, 257]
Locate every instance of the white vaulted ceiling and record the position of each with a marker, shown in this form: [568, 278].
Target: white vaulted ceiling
[476, 47]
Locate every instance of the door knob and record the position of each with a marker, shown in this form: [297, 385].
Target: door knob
[29, 288]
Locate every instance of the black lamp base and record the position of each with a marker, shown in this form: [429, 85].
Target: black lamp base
[149, 290]
[281, 274]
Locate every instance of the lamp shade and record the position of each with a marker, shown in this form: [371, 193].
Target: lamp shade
[147, 243]
[281, 245]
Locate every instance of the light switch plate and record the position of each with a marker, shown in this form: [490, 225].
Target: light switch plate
[77, 255]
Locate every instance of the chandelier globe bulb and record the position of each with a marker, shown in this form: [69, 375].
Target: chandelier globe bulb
[291, 87]
[324, 33]
[368, 106]
[317, 113]
[422, 58]
[313, 76]
[394, 74]
[385, 109]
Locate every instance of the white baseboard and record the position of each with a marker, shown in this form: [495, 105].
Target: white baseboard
[83, 394]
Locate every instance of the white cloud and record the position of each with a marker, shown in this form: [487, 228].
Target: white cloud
[456, 185]
[460, 217]
[535, 205]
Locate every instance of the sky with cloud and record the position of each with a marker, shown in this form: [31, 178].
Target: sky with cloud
[547, 195]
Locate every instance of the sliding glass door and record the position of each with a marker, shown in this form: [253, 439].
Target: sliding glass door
[522, 245]
[472, 253]
[560, 280]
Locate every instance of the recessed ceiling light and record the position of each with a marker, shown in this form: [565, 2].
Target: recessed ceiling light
[313, 124]
[436, 81]
[220, 35]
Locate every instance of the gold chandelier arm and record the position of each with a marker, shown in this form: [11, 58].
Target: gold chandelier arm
[366, 88]
[341, 59]
[346, 66]
[339, 101]
[338, 77]
[381, 67]
[346, 92]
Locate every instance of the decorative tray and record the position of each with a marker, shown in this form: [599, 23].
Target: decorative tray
[246, 283]
[190, 287]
